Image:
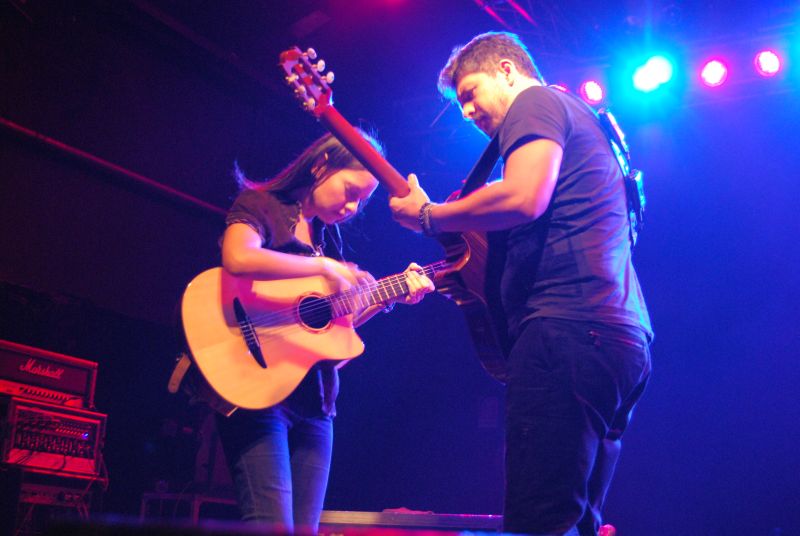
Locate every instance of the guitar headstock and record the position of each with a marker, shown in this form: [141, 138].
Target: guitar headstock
[311, 87]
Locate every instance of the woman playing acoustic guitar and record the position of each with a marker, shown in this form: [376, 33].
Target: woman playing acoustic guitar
[286, 228]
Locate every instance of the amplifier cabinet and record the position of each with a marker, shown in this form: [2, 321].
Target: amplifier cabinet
[46, 376]
[32, 503]
[51, 439]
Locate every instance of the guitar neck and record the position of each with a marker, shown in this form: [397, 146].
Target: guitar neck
[382, 290]
[391, 179]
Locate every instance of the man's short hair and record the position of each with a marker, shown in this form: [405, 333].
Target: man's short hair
[482, 54]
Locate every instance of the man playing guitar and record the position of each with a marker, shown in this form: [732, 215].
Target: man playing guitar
[577, 322]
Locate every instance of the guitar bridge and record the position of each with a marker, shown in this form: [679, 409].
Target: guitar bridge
[248, 332]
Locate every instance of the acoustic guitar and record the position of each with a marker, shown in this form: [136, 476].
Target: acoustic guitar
[254, 340]
[472, 281]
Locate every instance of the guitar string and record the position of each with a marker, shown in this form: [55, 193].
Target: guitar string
[345, 298]
[284, 319]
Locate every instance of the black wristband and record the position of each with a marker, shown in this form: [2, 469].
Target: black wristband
[425, 219]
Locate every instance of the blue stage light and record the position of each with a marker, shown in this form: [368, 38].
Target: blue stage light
[656, 72]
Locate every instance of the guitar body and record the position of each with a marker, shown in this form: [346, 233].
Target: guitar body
[474, 286]
[290, 345]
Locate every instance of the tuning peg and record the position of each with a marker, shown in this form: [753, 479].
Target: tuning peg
[329, 77]
[300, 90]
[309, 103]
[320, 66]
[292, 78]
[311, 53]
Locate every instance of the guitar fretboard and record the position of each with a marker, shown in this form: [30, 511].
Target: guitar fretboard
[382, 290]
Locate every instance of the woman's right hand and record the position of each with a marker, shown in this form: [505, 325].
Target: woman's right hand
[343, 275]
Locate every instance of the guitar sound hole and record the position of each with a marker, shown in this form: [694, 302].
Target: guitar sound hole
[315, 312]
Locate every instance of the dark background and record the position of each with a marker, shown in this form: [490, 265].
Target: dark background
[93, 263]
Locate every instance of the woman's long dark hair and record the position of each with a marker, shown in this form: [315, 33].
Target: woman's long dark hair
[320, 160]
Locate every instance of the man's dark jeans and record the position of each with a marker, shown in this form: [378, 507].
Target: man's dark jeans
[571, 389]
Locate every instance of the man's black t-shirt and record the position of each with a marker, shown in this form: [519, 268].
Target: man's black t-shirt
[573, 262]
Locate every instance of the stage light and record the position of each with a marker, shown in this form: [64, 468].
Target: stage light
[714, 73]
[767, 63]
[653, 74]
[592, 92]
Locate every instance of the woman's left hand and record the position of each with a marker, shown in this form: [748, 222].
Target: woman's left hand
[418, 284]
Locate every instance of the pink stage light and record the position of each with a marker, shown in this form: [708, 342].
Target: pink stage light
[714, 73]
[592, 92]
[767, 63]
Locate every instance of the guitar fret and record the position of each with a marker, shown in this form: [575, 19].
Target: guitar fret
[358, 298]
[403, 286]
[375, 295]
[383, 292]
[399, 286]
[387, 289]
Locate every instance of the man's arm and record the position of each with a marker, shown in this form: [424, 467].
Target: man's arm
[529, 178]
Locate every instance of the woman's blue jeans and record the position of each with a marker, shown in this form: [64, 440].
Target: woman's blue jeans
[279, 462]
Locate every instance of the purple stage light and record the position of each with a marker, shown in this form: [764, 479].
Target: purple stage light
[592, 92]
[714, 73]
[767, 63]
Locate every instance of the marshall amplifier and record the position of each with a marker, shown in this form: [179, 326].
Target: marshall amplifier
[46, 376]
[51, 439]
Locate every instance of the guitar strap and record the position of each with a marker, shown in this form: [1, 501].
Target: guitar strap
[187, 378]
[480, 172]
[632, 178]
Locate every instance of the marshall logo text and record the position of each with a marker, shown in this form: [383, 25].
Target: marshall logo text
[32, 367]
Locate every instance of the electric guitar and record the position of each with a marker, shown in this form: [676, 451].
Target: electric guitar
[254, 340]
[472, 281]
